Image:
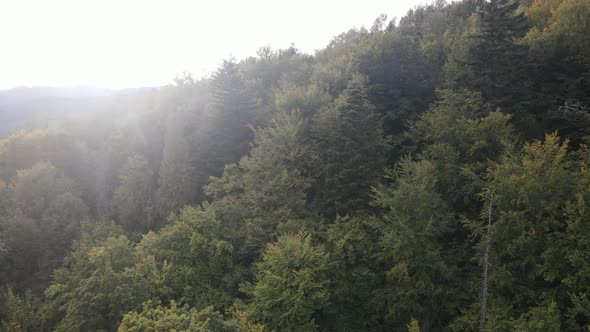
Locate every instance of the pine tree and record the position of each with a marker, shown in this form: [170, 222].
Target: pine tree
[229, 115]
[421, 269]
[177, 186]
[353, 244]
[133, 195]
[267, 190]
[494, 62]
[352, 151]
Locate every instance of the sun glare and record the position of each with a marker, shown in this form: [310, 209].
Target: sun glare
[120, 44]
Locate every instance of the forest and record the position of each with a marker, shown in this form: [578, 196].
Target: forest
[429, 173]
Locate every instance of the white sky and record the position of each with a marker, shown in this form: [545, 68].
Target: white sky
[125, 43]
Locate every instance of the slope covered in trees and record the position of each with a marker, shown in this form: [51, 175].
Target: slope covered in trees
[349, 190]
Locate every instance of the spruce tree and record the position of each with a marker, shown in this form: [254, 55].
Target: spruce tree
[421, 263]
[229, 115]
[493, 60]
[176, 183]
[133, 195]
[352, 148]
[266, 190]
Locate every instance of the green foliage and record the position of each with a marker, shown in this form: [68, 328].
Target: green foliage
[401, 85]
[539, 319]
[175, 318]
[532, 193]
[420, 261]
[354, 245]
[18, 314]
[560, 24]
[306, 99]
[559, 43]
[96, 286]
[196, 257]
[291, 286]
[42, 219]
[231, 111]
[413, 326]
[176, 187]
[352, 150]
[490, 58]
[267, 189]
[462, 137]
[209, 179]
[132, 198]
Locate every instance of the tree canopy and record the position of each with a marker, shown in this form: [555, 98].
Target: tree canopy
[366, 187]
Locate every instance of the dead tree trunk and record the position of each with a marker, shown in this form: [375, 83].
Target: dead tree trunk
[484, 286]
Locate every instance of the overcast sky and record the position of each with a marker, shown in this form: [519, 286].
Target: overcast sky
[124, 43]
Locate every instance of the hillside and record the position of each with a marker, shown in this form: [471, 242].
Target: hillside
[30, 107]
[430, 173]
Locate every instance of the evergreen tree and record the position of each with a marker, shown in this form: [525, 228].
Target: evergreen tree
[493, 61]
[421, 270]
[462, 136]
[357, 273]
[230, 113]
[176, 184]
[18, 314]
[132, 198]
[352, 151]
[401, 84]
[291, 287]
[530, 192]
[266, 191]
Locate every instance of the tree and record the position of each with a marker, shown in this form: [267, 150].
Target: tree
[352, 151]
[231, 111]
[198, 259]
[421, 274]
[401, 84]
[291, 287]
[175, 318]
[97, 284]
[35, 187]
[462, 135]
[176, 184]
[18, 314]
[566, 255]
[559, 44]
[132, 198]
[493, 61]
[353, 245]
[41, 224]
[267, 190]
[530, 191]
[60, 226]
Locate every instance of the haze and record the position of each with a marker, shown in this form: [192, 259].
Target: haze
[120, 44]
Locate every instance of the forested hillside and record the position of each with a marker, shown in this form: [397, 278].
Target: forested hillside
[431, 173]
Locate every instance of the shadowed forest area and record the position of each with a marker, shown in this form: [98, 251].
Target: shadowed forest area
[362, 188]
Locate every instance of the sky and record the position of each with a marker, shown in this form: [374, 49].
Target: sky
[127, 43]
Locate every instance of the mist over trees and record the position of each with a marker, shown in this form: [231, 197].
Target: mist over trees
[349, 190]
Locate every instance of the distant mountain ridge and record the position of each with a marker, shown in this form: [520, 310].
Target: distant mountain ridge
[47, 105]
[20, 94]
